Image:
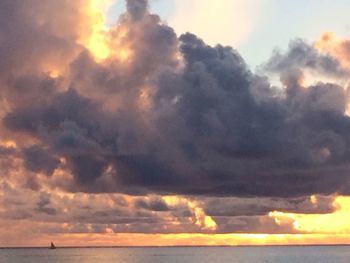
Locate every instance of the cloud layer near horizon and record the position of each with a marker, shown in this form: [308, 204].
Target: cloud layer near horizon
[162, 115]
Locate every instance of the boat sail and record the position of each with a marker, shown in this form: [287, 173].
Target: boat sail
[52, 246]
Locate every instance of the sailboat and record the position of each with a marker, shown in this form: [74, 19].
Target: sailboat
[52, 246]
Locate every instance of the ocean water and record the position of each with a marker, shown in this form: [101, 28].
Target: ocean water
[305, 254]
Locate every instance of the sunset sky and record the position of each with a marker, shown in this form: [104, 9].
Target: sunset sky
[174, 122]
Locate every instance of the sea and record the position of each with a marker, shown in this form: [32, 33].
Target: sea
[271, 254]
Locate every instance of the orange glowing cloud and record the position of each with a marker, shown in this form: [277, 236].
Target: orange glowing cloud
[100, 41]
[329, 224]
[96, 40]
[339, 48]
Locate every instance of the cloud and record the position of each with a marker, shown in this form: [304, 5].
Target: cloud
[137, 8]
[162, 115]
[38, 160]
[302, 59]
[152, 205]
[229, 206]
[43, 204]
[339, 48]
[202, 123]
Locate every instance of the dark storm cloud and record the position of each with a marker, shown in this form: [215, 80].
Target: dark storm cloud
[200, 125]
[38, 160]
[152, 205]
[72, 126]
[242, 146]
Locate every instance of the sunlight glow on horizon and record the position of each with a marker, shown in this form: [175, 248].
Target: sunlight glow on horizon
[140, 240]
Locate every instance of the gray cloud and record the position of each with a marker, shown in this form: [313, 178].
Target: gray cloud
[152, 205]
[301, 55]
[228, 207]
[43, 204]
[38, 160]
[137, 8]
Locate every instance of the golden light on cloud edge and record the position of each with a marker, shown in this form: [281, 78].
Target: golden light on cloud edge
[334, 223]
[96, 42]
[316, 229]
[99, 42]
[336, 47]
[330, 43]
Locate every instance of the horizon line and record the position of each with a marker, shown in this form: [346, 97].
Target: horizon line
[180, 246]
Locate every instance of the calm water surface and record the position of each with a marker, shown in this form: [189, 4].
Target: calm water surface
[321, 254]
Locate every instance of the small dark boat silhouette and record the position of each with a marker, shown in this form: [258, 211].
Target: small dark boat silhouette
[52, 246]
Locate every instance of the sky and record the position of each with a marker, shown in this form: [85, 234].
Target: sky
[174, 122]
[247, 24]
